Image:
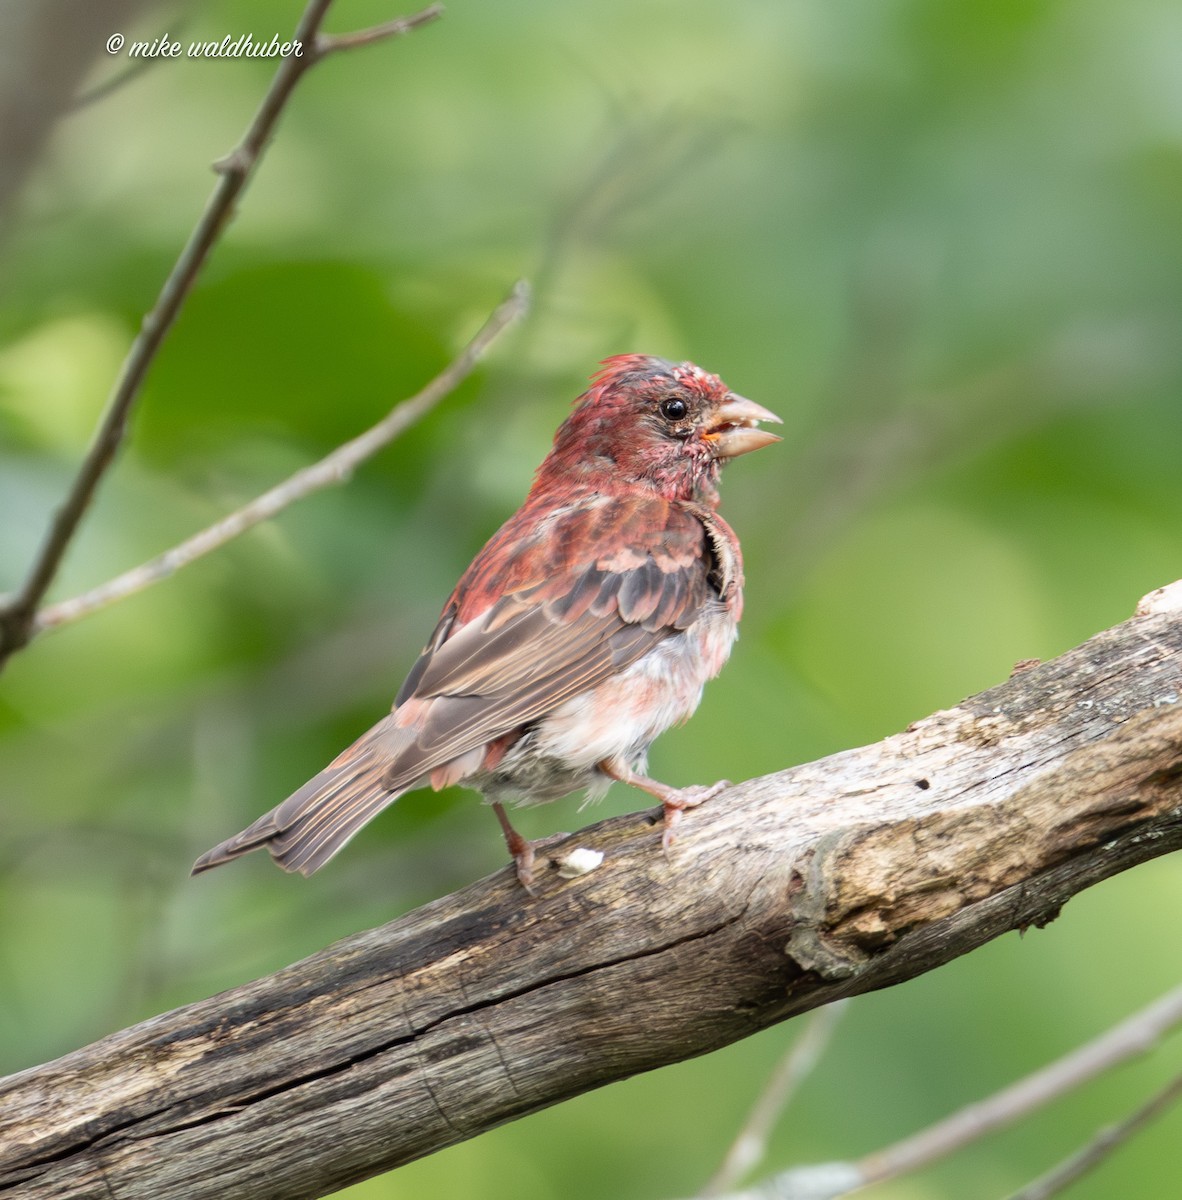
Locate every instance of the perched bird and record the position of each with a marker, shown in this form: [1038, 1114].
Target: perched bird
[586, 627]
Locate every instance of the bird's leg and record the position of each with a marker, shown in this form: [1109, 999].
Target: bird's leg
[522, 849]
[673, 800]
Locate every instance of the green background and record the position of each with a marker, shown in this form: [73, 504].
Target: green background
[942, 240]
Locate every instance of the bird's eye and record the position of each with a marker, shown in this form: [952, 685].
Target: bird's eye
[674, 409]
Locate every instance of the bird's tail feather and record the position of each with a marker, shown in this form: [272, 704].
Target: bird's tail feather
[313, 823]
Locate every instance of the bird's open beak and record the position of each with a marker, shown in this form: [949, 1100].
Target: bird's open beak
[733, 430]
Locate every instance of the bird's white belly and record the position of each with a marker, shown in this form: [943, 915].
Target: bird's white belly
[619, 719]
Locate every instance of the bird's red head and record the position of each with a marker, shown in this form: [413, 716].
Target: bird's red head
[666, 427]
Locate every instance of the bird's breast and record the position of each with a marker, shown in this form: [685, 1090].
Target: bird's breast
[622, 716]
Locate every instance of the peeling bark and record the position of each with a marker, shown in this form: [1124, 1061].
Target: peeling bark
[783, 893]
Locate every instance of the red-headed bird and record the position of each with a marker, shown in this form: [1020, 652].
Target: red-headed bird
[586, 627]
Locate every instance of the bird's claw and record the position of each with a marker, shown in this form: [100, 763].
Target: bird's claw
[525, 855]
[523, 860]
[678, 801]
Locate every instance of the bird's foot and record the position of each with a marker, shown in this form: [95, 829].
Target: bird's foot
[673, 800]
[679, 799]
[524, 851]
[523, 860]
[525, 855]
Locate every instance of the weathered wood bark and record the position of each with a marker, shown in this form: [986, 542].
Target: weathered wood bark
[833, 878]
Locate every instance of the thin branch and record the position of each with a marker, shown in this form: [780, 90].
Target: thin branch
[134, 69]
[18, 613]
[1135, 1035]
[749, 1147]
[827, 1181]
[329, 43]
[334, 468]
[1106, 1142]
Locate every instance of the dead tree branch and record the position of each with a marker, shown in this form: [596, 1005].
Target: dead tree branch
[830, 879]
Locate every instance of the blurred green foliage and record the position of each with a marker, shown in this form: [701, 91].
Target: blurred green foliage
[942, 240]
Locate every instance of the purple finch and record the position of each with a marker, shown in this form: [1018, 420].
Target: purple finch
[586, 627]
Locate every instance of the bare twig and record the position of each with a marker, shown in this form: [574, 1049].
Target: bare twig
[1135, 1035]
[1101, 1146]
[828, 1181]
[749, 1147]
[134, 69]
[333, 468]
[329, 43]
[18, 612]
